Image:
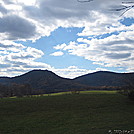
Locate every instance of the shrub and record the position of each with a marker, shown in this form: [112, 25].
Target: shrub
[131, 95]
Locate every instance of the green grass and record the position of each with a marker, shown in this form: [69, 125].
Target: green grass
[99, 92]
[86, 113]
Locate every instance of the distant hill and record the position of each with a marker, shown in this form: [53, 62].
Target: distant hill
[48, 81]
[43, 80]
[105, 78]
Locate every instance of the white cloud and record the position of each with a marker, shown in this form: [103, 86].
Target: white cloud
[16, 59]
[11, 46]
[34, 19]
[60, 46]
[31, 20]
[71, 72]
[59, 53]
[27, 2]
[74, 71]
[111, 51]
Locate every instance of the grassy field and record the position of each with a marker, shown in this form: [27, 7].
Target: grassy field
[95, 112]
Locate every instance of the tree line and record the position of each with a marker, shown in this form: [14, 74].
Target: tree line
[18, 90]
[23, 90]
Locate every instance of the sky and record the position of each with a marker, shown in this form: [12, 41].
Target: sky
[67, 37]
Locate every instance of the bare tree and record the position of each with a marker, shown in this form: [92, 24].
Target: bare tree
[124, 7]
[128, 88]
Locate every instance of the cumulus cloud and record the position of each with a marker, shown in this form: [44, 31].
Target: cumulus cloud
[15, 68]
[74, 71]
[40, 18]
[34, 19]
[118, 55]
[103, 40]
[16, 59]
[59, 53]
[11, 46]
[111, 51]
[16, 27]
[2, 9]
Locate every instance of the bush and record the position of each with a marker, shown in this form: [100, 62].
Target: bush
[131, 95]
[127, 92]
[128, 89]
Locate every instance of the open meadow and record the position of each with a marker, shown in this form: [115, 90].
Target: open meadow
[93, 112]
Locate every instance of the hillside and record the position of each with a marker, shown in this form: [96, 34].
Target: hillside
[105, 78]
[47, 81]
[43, 80]
[86, 113]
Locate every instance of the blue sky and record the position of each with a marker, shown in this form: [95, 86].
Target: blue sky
[66, 37]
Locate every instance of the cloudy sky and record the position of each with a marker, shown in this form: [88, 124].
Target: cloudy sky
[67, 37]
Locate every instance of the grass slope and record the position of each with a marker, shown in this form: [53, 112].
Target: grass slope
[85, 113]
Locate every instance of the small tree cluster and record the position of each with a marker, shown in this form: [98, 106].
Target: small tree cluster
[128, 90]
[18, 90]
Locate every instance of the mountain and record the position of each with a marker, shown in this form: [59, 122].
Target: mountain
[4, 80]
[47, 81]
[44, 80]
[105, 78]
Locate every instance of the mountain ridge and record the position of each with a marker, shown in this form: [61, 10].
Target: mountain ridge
[50, 82]
[44, 80]
[104, 78]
